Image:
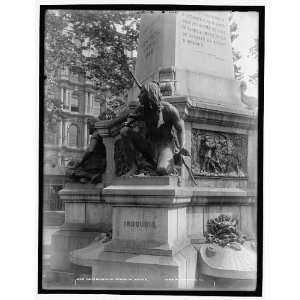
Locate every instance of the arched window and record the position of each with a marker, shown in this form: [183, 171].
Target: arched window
[73, 136]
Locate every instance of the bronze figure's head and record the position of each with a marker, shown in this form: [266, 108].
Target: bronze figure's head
[150, 95]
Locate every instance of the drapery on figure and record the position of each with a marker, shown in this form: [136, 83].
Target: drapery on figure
[93, 162]
[208, 157]
[156, 131]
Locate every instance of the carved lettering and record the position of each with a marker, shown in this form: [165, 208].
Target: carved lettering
[203, 30]
[139, 224]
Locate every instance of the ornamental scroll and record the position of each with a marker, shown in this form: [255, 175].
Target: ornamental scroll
[219, 154]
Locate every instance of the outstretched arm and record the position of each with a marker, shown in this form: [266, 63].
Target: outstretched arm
[137, 115]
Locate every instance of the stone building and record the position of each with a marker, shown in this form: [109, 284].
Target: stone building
[70, 138]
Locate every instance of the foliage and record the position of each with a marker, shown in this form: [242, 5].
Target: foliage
[223, 231]
[114, 104]
[236, 55]
[95, 44]
[253, 52]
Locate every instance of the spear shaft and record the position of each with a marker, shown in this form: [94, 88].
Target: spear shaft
[189, 170]
[136, 81]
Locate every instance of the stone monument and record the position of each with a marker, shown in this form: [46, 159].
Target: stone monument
[158, 222]
[190, 54]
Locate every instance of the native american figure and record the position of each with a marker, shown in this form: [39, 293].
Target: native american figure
[154, 131]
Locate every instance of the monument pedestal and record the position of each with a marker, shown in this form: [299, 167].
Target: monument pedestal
[86, 217]
[150, 248]
[155, 218]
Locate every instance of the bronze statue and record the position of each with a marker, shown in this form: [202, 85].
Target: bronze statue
[156, 131]
[93, 162]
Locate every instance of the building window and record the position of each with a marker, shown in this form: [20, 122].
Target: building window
[74, 77]
[73, 136]
[74, 104]
[89, 102]
[65, 98]
[65, 71]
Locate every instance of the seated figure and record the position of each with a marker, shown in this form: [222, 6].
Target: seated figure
[156, 131]
[93, 162]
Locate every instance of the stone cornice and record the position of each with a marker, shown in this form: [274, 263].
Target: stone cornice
[81, 193]
[194, 110]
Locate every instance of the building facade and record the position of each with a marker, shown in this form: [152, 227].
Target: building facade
[70, 137]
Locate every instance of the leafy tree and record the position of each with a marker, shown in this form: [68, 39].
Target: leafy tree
[96, 44]
[92, 42]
